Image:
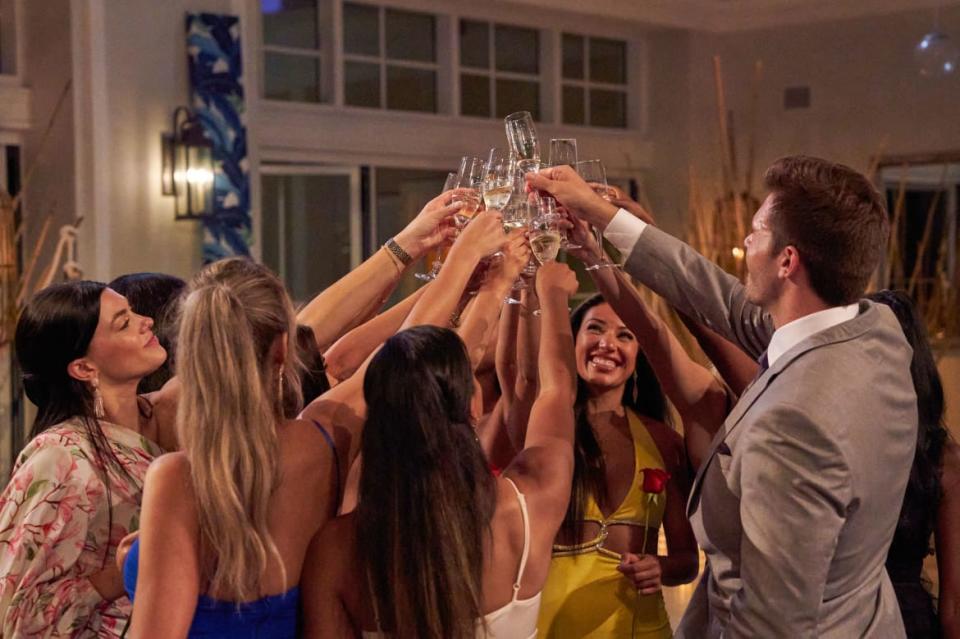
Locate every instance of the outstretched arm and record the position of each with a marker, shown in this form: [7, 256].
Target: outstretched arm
[353, 298]
[735, 367]
[479, 321]
[342, 408]
[687, 280]
[545, 465]
[698, 396]
[350, 351]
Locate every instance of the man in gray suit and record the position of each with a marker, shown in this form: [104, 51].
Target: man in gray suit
[796, 502]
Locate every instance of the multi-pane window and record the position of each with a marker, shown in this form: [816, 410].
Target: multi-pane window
[293, 59]
[594, 81]
[389, 58]
[396, 59]
[499, 69]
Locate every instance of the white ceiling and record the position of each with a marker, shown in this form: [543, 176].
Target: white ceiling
[739, 15]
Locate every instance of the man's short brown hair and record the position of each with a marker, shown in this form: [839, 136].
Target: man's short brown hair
[836, 220]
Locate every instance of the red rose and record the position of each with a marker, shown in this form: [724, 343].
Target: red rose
[654, 480]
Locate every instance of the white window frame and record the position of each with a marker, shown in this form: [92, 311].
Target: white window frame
[383, 61]
[356, 218]
[492, 74]
[324, 53]
[587, 84]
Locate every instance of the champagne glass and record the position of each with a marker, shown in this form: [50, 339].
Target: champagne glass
[450, 183]
[545, 235]
[545, 232]
[498, 181]
[595, 175]
[563, 151]
[470, 176]
[522, 136]
[516, 215]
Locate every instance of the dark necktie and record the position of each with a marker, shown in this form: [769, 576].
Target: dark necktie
[764, 365]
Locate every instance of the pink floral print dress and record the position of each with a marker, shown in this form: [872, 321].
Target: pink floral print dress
[55, 532]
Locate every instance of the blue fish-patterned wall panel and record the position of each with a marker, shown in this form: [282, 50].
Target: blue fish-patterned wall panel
[216, 82]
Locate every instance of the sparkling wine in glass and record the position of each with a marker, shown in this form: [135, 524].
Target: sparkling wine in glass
[470, 176]
[516, 215]
[450, 183]
[498, 182]
[522, 136]
[594, 174]
[545, 231]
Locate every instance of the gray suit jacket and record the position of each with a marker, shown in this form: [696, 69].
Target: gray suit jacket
[796, 503]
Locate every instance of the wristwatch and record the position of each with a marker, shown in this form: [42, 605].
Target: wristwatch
[392, 246]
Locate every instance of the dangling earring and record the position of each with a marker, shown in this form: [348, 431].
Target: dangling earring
[97, 399]
[280, 386]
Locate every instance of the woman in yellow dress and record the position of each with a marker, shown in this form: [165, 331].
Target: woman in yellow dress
[605, 575]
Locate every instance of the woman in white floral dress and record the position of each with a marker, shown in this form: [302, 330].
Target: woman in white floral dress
[76, 488]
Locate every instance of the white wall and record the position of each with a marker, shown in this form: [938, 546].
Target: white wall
[865, 89]
[131, 76]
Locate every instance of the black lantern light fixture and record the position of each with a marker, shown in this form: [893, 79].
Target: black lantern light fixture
[187, 171]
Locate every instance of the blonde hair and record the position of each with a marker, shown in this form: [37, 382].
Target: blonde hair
[233, 396]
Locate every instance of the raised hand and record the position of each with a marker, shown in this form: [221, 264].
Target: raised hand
[432, 226]
[569, 189]
[579, 234]
[556, 278]
[643, 571]
[516, 254]
[483, 234]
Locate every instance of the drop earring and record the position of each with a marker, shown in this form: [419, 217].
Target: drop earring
[98, 411]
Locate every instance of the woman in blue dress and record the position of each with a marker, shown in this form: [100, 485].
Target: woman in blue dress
[226, 521]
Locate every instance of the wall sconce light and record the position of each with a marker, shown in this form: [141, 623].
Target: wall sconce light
[187, 171]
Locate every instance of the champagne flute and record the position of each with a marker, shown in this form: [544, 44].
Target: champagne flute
[545, 232]
[450, 183]
[522, 136]
[564, 151]
[470, 176]
[545, 235]
[498, 181]
[516, 215]
[595, 175]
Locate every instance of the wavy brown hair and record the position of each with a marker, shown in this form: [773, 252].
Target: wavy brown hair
[426, 493]
[234, 394]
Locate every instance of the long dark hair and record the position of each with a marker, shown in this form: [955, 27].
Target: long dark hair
[56, 327]
[157, 296]
[313, 381]
[924, 487]
[426, 493]
[641, 394]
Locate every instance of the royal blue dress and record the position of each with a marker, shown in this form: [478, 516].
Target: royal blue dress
[273, 617]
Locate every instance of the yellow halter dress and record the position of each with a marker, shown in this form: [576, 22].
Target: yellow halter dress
[585, 595]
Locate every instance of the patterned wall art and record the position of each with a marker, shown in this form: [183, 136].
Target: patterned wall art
[216, 82]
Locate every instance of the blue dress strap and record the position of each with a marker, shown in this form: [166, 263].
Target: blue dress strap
[336, 457]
